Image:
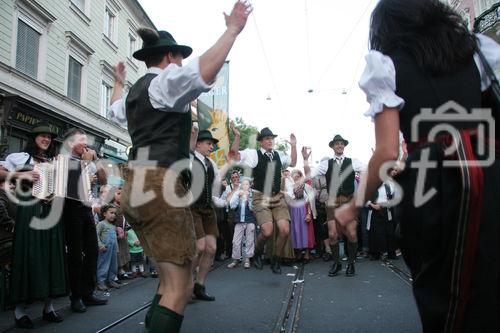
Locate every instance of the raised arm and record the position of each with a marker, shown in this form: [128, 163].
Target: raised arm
[235, 146]
[194, 136]
[212, 60]
[305, 155]
[119, 74]
[293, 144]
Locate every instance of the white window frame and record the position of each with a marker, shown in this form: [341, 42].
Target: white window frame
[40, 20]
[108, 80]
[132, 44]
[83, 13]
[81, 52]
[113, 8]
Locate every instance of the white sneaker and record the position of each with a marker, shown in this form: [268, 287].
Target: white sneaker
[233, 264]
[247, 263]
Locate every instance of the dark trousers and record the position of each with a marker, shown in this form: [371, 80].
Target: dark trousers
[226, 228]
[382, 233]
[320, 227]
[81, 247]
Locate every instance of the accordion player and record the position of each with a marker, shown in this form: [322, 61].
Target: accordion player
[63, 177]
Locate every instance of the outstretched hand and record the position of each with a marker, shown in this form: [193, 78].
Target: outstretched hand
[194, 128]
[306, 153]
[234, 129]
[119, 72]
[237, 19]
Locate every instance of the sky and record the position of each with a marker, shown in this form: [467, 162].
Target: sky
[287, 49]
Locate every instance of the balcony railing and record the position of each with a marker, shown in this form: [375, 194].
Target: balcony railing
[487, 19]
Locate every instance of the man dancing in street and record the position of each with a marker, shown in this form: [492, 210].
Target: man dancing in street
[339, 172]
[159, 122]
[205, 220]
[268, 200]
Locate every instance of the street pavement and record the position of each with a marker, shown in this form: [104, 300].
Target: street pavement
[376, 299]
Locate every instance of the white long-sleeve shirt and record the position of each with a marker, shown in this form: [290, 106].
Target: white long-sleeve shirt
[172, 90]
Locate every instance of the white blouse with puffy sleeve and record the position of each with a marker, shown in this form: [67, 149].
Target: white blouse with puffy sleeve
[378, 80]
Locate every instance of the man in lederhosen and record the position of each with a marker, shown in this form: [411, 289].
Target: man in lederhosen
[268, 201]
[205, 220]
[340, 174]
[157, 111]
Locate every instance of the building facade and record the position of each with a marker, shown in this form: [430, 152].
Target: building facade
[482, 16]
[56, 65]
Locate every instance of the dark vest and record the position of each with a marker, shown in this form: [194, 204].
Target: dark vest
[347, 186]
[205, 198]
[74, 175]
[259, 172]
[420, 89]
[166, 134]
[249, 216]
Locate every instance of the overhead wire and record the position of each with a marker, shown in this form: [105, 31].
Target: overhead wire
[354, 79]
[344, 43]
[268, 64]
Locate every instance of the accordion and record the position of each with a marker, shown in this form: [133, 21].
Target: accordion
[55, 180]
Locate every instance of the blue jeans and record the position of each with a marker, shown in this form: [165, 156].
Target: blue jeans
[107, 264]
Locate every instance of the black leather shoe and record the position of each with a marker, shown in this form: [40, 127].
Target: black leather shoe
[257, 260]
[275, 265]
[327, 256]
[200, 293]
[52, 316]
[77, 305]
[350, 270]
[392, 256]
[93, 299]
[24, 322]
[335, 269]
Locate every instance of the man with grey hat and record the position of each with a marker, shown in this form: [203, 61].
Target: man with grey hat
[340, 177]
[157, 111]
[268, 200]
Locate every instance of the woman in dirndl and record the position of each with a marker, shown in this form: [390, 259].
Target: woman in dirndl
[424, 78]
[38, 262]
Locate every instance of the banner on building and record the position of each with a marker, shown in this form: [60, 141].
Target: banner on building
[213, 114]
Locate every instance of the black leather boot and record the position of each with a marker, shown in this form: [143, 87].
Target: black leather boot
[350, 269]
[200, 293]
[335, 269]
[275, 265]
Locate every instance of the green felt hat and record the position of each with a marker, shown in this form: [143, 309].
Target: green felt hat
[43, 127]
[155, 42]
[206, 135]
[338, 138]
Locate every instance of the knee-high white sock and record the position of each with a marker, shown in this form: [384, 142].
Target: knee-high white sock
[141, 268]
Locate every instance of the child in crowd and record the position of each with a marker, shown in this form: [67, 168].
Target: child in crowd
[122, 228]
[136, 254]
[244, 220]
[107, 265]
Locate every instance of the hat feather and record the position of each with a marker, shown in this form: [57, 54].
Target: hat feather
[148, 35]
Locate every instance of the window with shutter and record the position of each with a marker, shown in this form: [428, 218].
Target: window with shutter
[74, 79]
[28, 41]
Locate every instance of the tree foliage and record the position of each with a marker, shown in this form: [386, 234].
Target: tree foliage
[248, 134]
